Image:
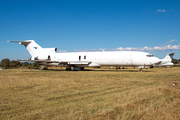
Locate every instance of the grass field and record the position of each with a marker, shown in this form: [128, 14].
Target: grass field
[98, 94]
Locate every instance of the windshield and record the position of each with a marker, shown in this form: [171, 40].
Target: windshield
[149, 55]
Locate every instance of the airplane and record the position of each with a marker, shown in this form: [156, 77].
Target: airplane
[167, 61]
[79, 60]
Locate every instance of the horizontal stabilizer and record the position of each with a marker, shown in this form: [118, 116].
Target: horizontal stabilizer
[22, 42]
[27, 41]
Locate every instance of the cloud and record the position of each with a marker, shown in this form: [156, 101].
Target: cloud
[62, 51]
[168, 10]
[172, 41]
[88, 50]
[156, 48]
[163, 10]
[165, 47]
[146, 48]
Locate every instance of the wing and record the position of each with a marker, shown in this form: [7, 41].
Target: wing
[75, 63]
[41, 61]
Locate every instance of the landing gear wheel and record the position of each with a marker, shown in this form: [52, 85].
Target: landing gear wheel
[68, 69]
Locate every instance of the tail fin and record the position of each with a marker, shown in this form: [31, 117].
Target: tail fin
[35, 50]
[168, 57]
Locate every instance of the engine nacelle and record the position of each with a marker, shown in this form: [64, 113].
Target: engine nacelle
[49, 50]
[43, 57]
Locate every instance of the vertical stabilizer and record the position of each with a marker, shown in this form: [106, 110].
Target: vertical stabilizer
[32, 47]
[36, 51]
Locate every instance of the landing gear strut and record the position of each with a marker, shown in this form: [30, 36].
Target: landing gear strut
[43, 67]
[140, 70]
[78, 68]
[118, 67]
[75, 68]
[68, 69]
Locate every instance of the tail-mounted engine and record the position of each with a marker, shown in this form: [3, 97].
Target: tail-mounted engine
[43, 57]
[49, 50]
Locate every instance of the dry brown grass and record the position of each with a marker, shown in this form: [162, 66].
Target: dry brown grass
[93, 94]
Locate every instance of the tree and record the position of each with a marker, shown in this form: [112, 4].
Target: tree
[25, 64]
[175, 61]
[36, 65]
[5, 63]
[15, 64]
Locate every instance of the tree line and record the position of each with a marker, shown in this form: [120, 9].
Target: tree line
[8, 64]
[176, 61]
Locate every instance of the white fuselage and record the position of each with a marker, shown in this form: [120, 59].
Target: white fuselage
[108, 58]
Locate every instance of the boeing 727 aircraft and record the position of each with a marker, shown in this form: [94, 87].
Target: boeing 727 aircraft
[79, 60]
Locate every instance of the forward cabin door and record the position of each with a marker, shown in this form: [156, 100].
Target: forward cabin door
[79, 57]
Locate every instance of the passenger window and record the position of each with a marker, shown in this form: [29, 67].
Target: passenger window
[85, 57]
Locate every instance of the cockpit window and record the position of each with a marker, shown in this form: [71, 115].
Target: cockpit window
[149, 55]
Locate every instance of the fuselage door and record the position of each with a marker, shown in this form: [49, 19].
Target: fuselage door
[79, 58]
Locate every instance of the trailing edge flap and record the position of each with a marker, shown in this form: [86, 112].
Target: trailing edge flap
[61, 62]
[79, 63]
[75, 62]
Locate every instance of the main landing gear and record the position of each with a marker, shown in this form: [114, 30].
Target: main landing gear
[75, 68]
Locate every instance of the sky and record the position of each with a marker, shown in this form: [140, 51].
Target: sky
[90, 25]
